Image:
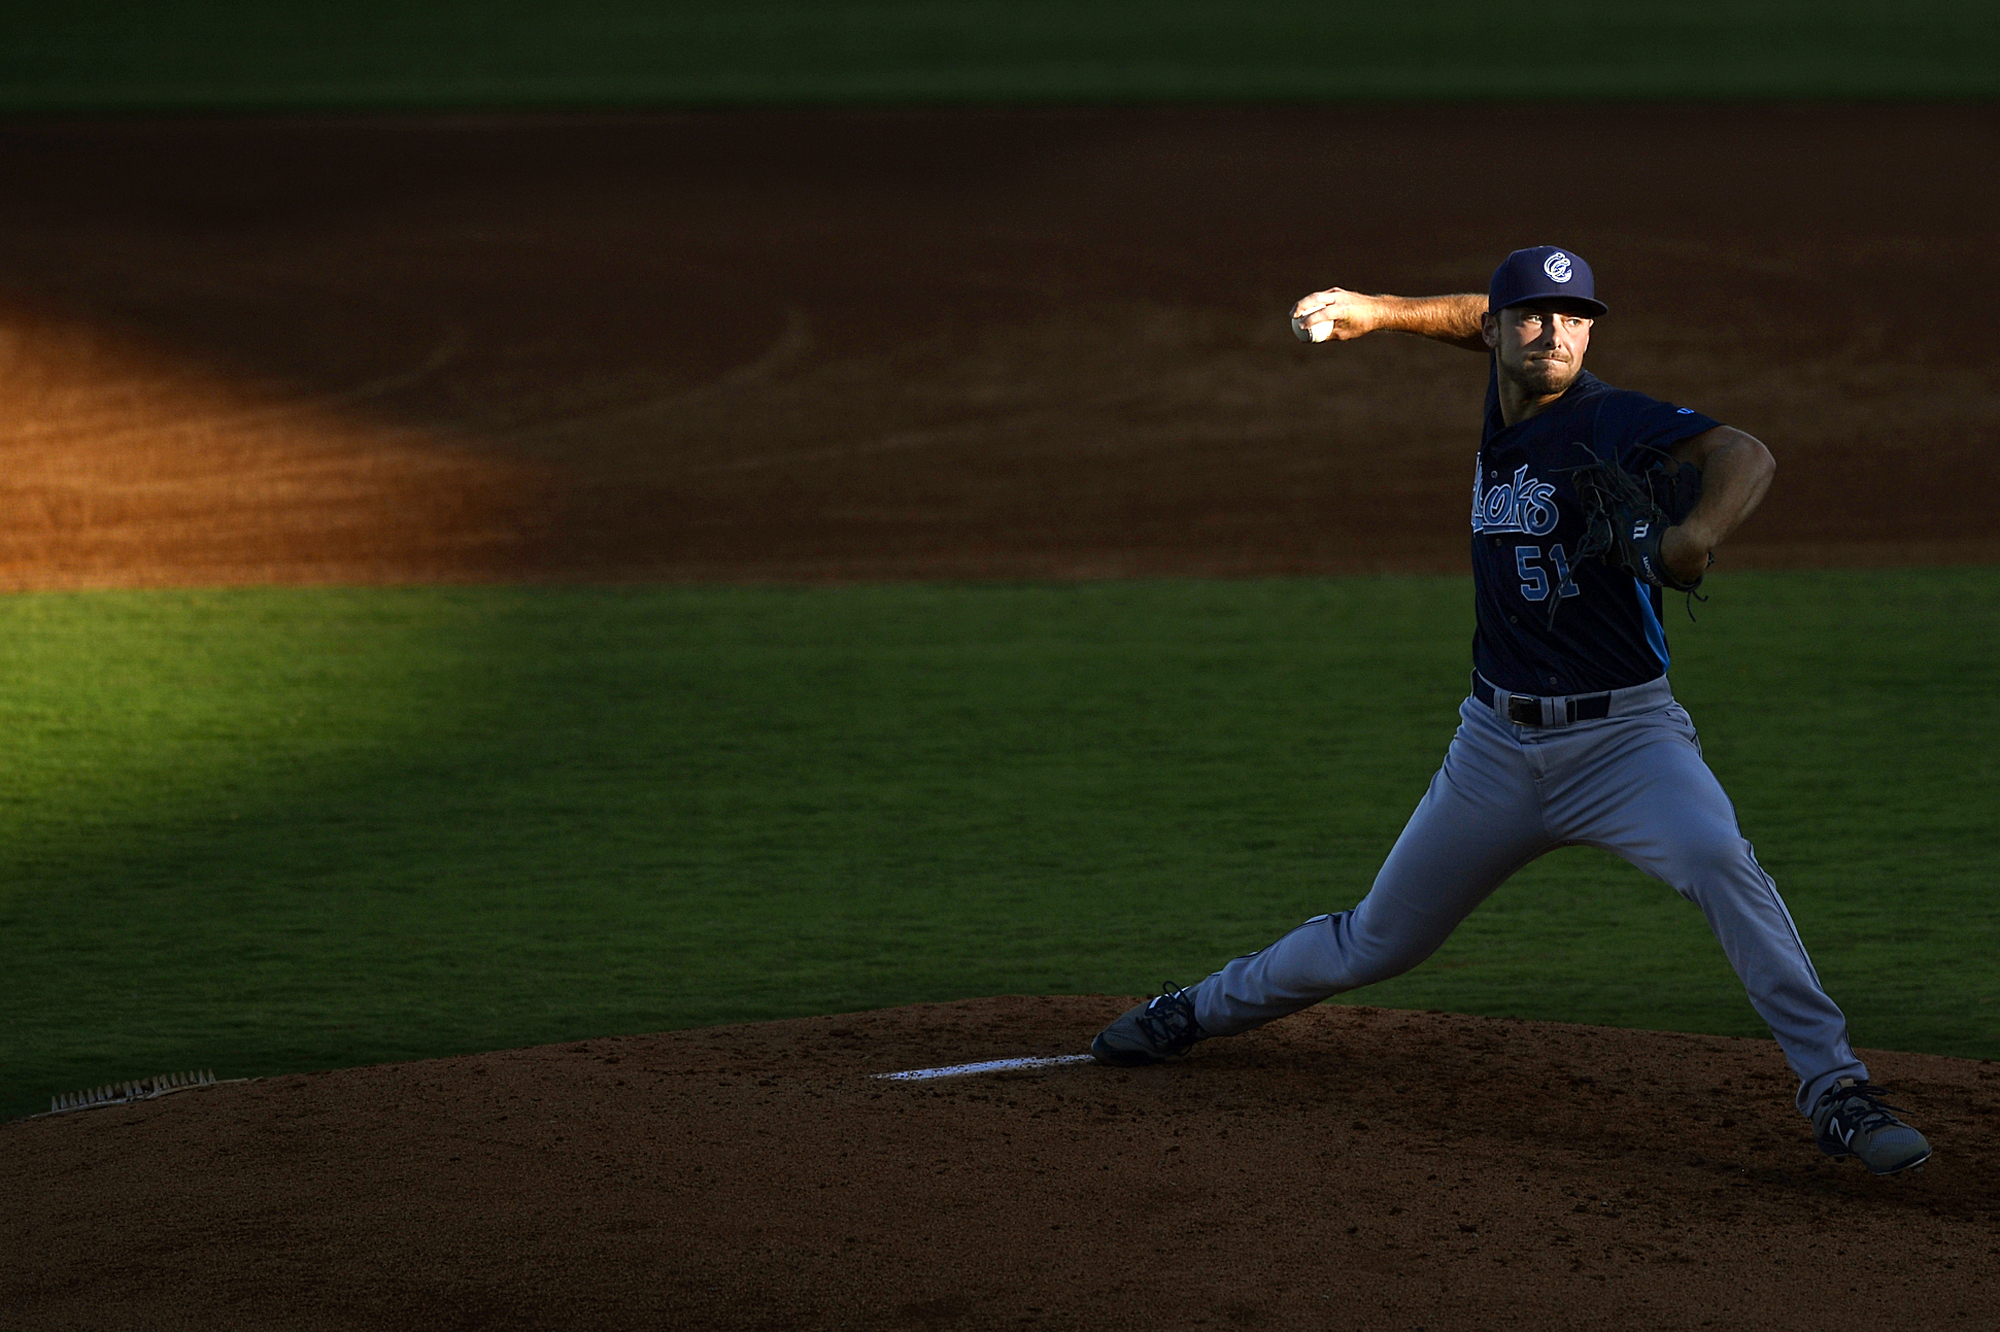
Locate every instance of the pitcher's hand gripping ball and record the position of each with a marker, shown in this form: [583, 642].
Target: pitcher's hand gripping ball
[1333, 315]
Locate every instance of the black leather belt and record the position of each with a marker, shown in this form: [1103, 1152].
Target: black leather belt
[1526, 709]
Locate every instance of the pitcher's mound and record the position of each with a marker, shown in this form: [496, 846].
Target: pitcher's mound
[1346, 1168]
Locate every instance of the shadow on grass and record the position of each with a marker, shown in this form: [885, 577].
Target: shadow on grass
[273, 830]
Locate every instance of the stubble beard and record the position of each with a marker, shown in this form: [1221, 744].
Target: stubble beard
[1543, 379]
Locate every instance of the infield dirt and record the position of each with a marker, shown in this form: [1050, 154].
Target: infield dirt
[977, 344]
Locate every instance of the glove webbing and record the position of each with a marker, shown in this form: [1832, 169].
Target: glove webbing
[1605, 487]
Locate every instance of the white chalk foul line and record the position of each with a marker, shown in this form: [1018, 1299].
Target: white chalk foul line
[985, 1066]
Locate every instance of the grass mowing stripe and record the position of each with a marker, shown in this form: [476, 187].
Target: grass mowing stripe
[270, 830]
[210, 54]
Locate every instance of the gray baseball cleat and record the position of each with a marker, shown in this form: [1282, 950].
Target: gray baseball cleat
[1850, 1120]
[1152, 1033]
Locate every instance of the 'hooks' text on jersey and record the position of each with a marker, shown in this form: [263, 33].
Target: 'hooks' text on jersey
[1521, 505]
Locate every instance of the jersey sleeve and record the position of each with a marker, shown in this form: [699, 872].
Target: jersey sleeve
[1644, 428]
[1639, 423]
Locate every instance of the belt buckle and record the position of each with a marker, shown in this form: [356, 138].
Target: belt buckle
[1524, 709]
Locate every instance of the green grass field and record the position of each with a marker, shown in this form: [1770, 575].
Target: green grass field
[125, 55]
[284, 829]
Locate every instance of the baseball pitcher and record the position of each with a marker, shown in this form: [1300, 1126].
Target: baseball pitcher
[1589, 505]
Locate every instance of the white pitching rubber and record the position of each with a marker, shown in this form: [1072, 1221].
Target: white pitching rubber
[986, 1066]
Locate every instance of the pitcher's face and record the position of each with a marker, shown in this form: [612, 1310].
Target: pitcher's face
[1539, 345]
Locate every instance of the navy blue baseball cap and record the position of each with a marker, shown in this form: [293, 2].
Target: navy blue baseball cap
[1543, 273]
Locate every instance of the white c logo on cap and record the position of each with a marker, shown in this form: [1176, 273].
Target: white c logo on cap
[1557, 267]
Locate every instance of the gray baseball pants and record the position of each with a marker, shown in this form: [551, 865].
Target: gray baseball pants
[1632, 782]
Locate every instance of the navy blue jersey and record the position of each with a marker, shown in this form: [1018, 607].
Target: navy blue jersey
[1608, 632]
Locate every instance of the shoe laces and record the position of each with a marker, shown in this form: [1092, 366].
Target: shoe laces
[1169, 1020]
[1861, 1109]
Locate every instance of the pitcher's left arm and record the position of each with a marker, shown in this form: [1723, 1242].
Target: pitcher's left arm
[1736, 470]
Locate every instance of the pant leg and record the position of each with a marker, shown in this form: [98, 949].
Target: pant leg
[1480, 821]
[1638, 787]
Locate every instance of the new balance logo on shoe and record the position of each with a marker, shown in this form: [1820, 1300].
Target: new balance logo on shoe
[1850, 1119]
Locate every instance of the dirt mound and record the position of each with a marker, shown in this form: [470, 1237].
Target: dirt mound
[1346, 1168]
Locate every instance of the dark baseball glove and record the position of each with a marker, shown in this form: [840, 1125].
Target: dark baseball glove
[1626, 514]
